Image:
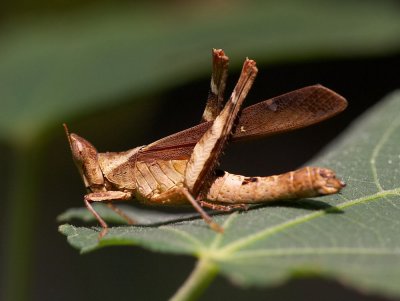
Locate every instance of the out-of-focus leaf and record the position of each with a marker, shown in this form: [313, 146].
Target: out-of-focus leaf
[57, 66]
[352, 237]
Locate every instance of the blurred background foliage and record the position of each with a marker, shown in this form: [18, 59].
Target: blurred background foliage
[124, 73]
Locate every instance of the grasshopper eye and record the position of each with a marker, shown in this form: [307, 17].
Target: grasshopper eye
[85, 158]
[82, 150]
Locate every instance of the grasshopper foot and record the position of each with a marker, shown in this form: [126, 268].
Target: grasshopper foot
[217, 228]
[103, 232]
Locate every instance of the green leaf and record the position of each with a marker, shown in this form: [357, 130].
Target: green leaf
[143, 216]
[55, 66]
[352, 237]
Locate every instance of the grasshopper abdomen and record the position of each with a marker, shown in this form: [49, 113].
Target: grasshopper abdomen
[304, 182]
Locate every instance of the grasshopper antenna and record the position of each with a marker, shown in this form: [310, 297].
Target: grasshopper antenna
[68, 134]
[66, 129]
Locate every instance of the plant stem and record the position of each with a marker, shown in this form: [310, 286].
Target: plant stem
[204, 272]
[20, 223]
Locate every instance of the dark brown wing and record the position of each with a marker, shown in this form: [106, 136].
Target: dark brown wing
[178, 146]
[287, 112]
[290, 111]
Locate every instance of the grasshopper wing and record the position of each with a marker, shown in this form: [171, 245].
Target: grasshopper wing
[284, 113]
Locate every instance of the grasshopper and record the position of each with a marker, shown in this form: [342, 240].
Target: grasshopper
[182, 168]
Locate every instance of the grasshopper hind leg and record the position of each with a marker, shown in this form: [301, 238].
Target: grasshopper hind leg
[208, 219]
[219, 74]
[208, 149]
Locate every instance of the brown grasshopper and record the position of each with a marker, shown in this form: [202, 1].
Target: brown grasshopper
[181, 168]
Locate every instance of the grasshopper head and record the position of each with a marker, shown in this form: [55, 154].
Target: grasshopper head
[85, 158]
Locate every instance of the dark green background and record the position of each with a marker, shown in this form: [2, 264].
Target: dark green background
[38, 179]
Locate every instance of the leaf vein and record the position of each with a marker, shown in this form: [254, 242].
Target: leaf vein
[226, 225]
[243, 242]
[376, 150]
[185, 235]
[311, 251]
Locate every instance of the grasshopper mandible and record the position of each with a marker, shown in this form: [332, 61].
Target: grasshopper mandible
[181, 168]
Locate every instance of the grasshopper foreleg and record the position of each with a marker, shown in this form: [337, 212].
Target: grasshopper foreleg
[107, 196]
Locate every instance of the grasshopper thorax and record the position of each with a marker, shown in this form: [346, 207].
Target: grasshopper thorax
[85, 157]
